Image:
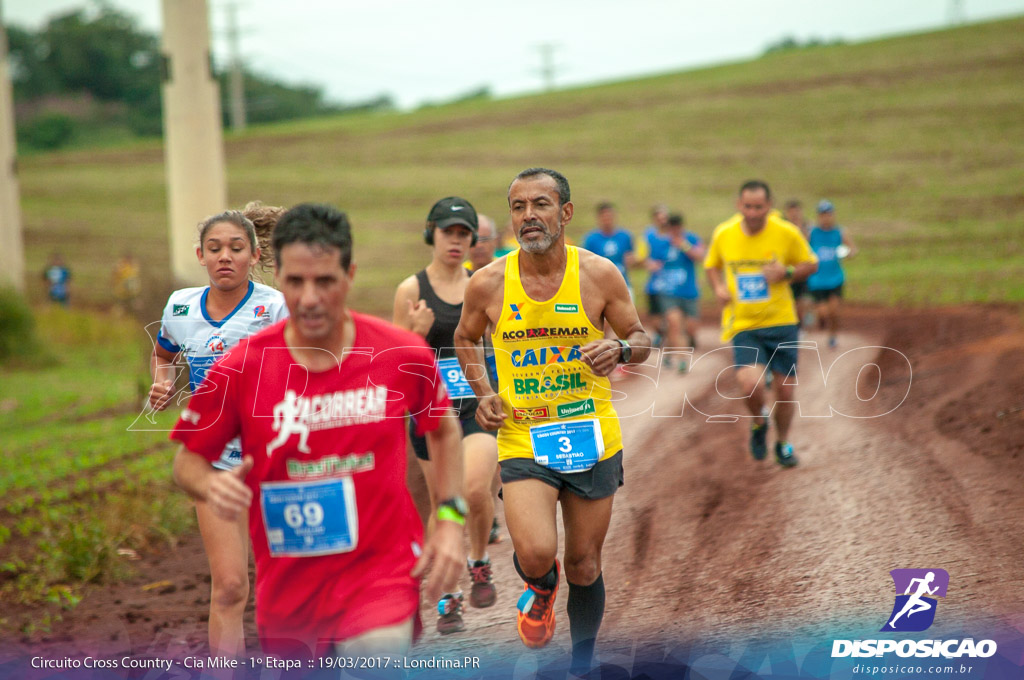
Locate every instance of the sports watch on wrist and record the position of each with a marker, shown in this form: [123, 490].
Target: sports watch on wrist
[625, 351]
[453, 509]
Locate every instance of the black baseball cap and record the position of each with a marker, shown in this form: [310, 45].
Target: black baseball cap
[451, 211]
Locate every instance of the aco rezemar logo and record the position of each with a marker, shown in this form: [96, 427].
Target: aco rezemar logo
[916, 593]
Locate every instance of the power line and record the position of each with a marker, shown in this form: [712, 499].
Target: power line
[957, 15]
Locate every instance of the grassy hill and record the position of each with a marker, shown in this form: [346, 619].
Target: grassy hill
[919, 140]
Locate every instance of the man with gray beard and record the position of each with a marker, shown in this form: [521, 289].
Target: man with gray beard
[559, 440]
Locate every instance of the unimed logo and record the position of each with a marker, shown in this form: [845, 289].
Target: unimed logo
[914, 611]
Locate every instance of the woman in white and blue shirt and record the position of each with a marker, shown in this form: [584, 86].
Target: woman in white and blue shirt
[201, 324]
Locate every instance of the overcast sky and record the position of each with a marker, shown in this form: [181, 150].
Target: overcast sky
[419, 50]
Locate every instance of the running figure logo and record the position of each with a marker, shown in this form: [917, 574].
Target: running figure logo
[914, 610]
[287, 421]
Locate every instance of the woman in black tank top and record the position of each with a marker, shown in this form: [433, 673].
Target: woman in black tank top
[430, 304]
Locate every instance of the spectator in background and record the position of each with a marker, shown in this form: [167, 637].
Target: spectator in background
[612, 241]
[57, 277]
[127, 284]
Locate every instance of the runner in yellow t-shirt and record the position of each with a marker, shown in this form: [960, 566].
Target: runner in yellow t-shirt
[752, 259]
[558, 435]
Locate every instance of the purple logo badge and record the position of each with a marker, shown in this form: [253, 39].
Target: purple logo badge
[916, 590]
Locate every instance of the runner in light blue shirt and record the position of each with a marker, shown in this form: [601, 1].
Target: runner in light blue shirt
[675, 255]
[612, 241]
[831, 245]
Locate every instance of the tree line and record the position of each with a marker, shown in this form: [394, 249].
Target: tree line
[92, 76]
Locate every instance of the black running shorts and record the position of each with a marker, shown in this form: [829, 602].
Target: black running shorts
[600, 481]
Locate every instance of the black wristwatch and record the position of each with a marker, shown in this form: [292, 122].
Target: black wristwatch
[625, 351]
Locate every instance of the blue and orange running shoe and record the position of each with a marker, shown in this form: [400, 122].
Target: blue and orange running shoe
[536, 617]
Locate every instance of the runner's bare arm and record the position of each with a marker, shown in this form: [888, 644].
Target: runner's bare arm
[697, 252]
[802, 271]
[410, 312]
[443, 555]
[226, 492]
[717, 281]
[483, 288]
[848, 242]
[601, 282]
[161, 367]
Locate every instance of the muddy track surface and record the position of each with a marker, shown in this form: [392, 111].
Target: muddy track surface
[911, 447]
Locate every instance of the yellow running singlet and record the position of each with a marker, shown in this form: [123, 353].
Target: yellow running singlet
[544, 382]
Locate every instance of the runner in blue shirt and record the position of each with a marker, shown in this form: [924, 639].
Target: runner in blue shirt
[611, 241]
[653, 232]
[831, 244]
[678, 294]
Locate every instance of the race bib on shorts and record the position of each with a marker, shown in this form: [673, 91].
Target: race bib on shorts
[231, 457]
[198, 366]
[751, 288]
[454, 378]
[304, 519]
[573, 446]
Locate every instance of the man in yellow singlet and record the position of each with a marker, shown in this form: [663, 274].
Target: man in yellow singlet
[558, 434]
[753, 258]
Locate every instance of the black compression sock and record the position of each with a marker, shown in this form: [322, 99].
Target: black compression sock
[547, 581]
[586, 609]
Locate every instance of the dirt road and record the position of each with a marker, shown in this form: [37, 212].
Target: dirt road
[911, 456]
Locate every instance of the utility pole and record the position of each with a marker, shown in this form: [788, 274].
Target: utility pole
[956, 12]
[12, 248]
[193, 139]
[236, 77]
[547, 64]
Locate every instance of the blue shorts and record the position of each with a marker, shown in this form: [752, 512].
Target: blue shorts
[775, 347]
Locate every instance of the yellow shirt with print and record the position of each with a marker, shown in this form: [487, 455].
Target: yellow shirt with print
[756, 303]
[540, 368]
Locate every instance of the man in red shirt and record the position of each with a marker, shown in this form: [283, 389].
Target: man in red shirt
[319, 401]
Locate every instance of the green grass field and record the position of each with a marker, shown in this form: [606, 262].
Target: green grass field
[919, 140]
[79, 478]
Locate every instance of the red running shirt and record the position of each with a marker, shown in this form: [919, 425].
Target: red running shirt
[334, 530]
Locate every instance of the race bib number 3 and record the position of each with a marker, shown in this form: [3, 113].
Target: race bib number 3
[572, 446]
[454, 378]
[310, 518]
[751, 288]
